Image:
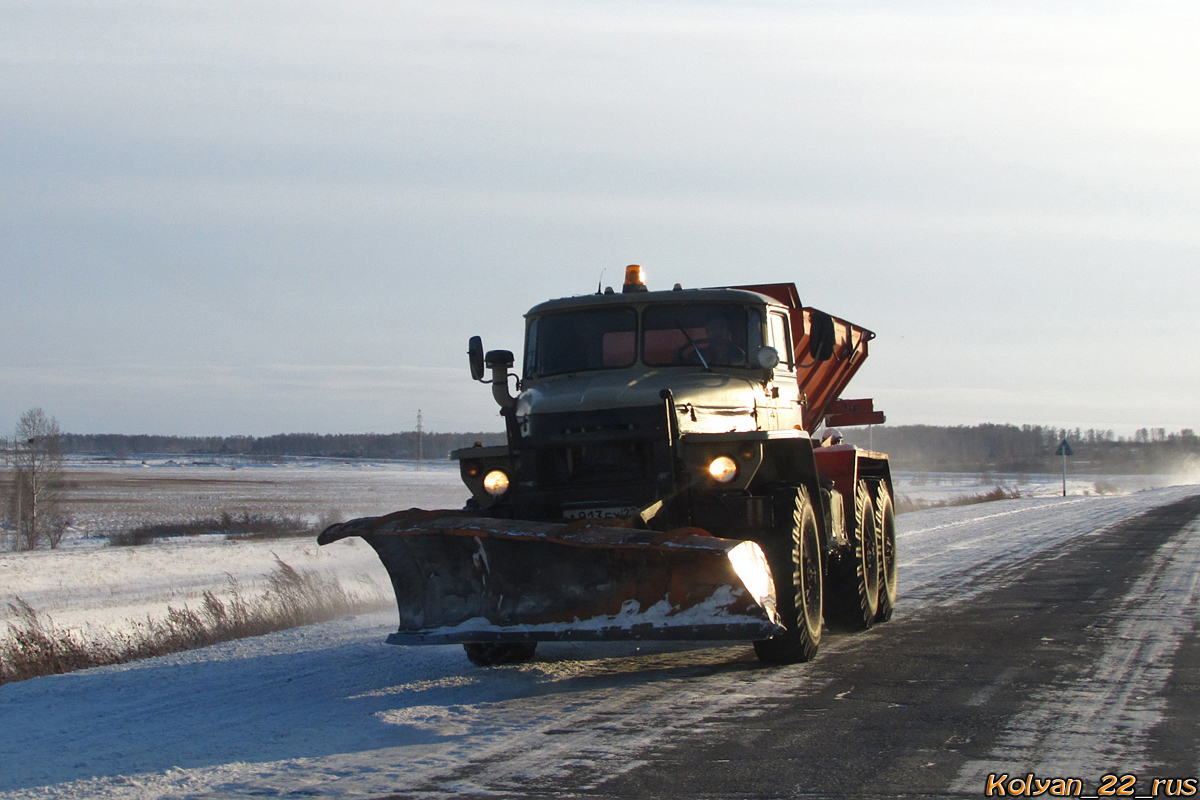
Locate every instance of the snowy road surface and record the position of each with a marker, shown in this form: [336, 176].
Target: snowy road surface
[331, 711]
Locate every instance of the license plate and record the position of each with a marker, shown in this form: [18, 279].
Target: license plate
[608, 512]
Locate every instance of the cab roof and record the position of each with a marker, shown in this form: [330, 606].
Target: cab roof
[718, 295]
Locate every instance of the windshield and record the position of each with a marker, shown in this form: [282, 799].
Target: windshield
[581, 340]
[711, 336]
[683, 334]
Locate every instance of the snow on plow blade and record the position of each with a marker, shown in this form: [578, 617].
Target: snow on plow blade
[463, 578]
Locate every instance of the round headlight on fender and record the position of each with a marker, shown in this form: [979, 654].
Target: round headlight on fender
[723, 469]
[495, 482]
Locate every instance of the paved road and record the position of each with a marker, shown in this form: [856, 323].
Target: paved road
[1082, 661]
[1085, 664]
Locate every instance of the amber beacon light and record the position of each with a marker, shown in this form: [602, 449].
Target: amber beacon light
[635, 279]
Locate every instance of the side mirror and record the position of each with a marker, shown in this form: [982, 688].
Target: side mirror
[822, 338]
[475, 355]
[767, 357]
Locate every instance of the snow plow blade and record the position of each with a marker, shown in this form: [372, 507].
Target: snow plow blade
[461, 578]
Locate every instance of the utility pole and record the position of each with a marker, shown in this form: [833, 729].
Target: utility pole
[1064, 450]
[420, 437]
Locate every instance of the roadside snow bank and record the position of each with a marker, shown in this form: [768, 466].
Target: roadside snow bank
[944, 551]
[104, 589]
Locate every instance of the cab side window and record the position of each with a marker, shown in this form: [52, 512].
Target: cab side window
[781, 339]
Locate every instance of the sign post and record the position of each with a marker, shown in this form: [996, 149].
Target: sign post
[1064, 450]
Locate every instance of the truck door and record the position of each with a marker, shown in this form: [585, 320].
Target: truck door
[783, 395]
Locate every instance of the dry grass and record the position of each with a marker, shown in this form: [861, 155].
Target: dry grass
[905, 504]
[36, 647]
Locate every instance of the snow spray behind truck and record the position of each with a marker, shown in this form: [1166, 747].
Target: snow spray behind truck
[661, 480]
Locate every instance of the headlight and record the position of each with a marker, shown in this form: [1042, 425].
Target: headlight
[495, 482]
[723, 469]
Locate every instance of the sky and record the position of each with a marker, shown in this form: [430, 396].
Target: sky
[264, 217]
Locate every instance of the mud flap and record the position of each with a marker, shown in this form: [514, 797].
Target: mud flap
[462, 578]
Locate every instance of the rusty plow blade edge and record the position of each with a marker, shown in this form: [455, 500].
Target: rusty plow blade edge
[460, 578]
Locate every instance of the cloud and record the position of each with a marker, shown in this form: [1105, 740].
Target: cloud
[252, 185]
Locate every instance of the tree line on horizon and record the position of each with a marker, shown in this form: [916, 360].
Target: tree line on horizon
[404, 445]
[935, 448]
[1029, 448]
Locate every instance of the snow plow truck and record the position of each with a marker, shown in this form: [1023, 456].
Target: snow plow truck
[673, 470]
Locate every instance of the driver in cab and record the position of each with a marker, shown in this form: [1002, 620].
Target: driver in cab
[717, 347]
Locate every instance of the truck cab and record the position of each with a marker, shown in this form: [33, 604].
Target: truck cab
[692, 398]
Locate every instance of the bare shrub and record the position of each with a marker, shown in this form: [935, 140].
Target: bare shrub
[231, 525]
[999, 493]
[906, 504]
[56, 528]
[35, 646]
[262, 526]
[330, 516]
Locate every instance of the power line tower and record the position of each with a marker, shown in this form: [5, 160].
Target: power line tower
[420, 437]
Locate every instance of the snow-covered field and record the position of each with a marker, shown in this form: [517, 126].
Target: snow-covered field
[106, 497]
[87, 585]
[331, 711]
[948, 486]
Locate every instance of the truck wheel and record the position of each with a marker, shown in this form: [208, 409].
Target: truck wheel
[885, 521]
[855, 578]
[794, 554]
[489, 654]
